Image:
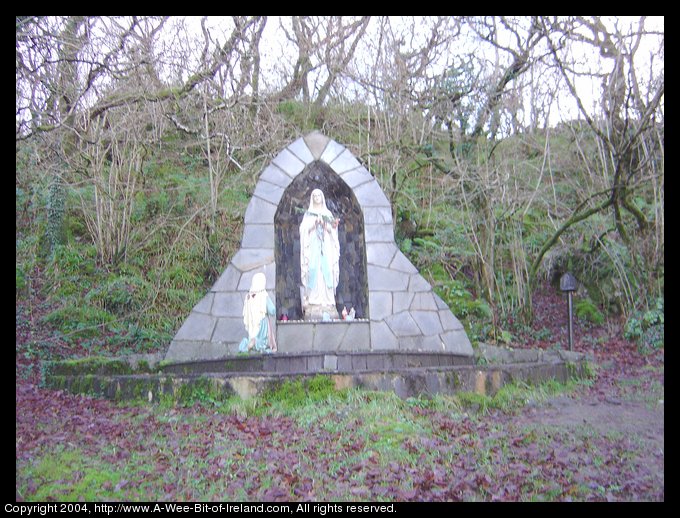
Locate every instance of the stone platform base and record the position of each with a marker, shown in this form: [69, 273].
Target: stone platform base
[297, 337]
[407, 374]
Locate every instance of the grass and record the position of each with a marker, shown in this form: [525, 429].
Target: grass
[72, 475]
[305, 439]
[510, 398]
[650, 391]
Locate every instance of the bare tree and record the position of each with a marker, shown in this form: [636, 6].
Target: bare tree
[524, 35]
[113, 157]
[73, 71]
[325, 46]
[628, 136]
[401, 85]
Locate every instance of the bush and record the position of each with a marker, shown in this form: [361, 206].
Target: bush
[118, 294]
[79, 322]
[647, 328]
[20, 279]
[70, 269]
[587, 310]
[294, 393]
[475, 314]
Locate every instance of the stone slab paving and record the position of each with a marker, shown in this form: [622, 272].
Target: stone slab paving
[404, 312]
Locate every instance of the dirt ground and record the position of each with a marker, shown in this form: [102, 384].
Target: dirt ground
[608, 434]
[627, 417]
[625, 407]
[624, 401]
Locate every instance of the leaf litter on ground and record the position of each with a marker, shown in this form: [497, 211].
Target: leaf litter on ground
[601, 441]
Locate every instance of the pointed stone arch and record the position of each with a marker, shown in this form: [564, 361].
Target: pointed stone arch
[352, 288]
[401, 312]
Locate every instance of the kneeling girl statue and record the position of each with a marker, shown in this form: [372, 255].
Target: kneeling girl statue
[258, 317]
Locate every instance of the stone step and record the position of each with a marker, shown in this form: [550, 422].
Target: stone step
[277, 362]
[319, 362]
[405, 382]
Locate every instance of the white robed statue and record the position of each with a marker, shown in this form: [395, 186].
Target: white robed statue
[319, 259]
[258, 318]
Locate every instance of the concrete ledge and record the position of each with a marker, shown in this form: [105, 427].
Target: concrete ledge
[306, 362]
[187, 350]
[404, 382]
[276, 363]
[408, 374]
[492, 354]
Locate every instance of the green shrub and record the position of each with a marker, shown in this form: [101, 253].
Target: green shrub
[55, 212]
[475, 314]
[647, 328]
[118, 294]
[141, 339]
[302, 115]
[70, 270]
[79, 322]
[587, 310]
[179, 276]
[20, 279]
[294, 393]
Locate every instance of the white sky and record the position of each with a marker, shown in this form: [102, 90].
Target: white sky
[278, 56]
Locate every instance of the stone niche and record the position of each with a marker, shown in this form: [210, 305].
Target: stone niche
[352, 288]
[396, 307]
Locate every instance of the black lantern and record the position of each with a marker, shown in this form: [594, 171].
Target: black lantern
[569, 284]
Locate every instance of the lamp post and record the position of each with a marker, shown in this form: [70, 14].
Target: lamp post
[569, 284]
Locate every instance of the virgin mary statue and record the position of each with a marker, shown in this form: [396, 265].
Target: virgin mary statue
[319, 258]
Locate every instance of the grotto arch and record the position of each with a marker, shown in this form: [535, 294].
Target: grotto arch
[352, 290]
[397, 307]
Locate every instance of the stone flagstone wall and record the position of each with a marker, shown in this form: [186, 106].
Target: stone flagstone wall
[404, 313]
